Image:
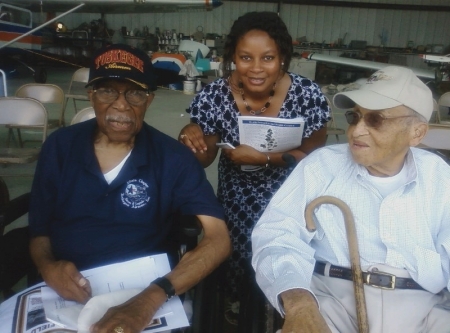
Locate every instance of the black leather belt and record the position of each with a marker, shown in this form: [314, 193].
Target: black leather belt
[375, 279]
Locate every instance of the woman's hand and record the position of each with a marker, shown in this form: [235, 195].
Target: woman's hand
[203, 146]
[192, 136]
[245, 155]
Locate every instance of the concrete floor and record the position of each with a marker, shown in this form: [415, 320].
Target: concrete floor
[166, 113]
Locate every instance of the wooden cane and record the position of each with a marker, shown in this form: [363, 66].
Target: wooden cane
[358, 284]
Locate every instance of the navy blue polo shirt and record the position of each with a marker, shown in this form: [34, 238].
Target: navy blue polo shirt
[92, 223]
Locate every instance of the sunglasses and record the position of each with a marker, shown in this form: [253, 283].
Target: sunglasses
[374, 119]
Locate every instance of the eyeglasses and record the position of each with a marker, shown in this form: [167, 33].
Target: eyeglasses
[133, 97]
[373, 119]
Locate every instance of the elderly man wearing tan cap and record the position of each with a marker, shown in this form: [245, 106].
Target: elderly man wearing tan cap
[399, 198]
[107, 190]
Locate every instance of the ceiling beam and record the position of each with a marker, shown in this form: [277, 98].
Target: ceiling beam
[370, 5]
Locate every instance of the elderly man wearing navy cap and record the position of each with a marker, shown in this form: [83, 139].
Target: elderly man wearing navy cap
[106, 190]
[399, 198]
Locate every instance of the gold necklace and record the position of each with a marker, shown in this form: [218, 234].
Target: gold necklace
[264, 108]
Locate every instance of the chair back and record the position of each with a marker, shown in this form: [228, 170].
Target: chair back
[331, 125]
[3, 88]
[83, 115]
[444, 105]
[435, 111]
[46, 94]
[25, 112]
[444, 100]
[78, 82]
[80, 75]
[77, 85]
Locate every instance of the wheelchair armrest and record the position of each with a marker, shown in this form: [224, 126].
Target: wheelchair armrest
[189, 228]
[14, 209]
[190, 225]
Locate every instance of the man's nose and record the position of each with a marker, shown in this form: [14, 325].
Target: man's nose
[121, 102]
[360, 128]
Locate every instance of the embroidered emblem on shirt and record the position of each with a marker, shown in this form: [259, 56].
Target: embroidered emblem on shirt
[135, 194]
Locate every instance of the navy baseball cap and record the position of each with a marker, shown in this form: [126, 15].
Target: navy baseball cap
[122, 62]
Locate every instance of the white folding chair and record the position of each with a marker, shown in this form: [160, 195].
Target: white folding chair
[435, 111]
[76, 89]
[3, 87]
[24, 113]
[331, 125]
[47, 94]
[83, 115]
[444, 105]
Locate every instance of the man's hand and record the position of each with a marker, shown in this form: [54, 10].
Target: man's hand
[60, 275]
[302, 313]
[63, 277]
[134, 315]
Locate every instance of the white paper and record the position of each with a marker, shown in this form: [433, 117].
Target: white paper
[28, 313]
[225, 145]
[267, 134]
[111, 285]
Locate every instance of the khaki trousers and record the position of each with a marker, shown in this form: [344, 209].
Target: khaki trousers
[389, 311]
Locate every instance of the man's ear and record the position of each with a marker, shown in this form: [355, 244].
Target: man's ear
[419, 132]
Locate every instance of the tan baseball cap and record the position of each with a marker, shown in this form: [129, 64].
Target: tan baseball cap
[387, 88]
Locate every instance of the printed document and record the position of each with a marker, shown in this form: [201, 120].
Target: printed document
[111, 285]
[268, 134]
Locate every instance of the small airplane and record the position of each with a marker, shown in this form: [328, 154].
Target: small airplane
[435, 58]
[422, 73]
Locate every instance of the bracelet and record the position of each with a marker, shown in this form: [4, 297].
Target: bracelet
[165, 285]
[268, 160]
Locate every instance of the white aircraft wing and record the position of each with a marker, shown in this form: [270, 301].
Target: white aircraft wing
[117, 6]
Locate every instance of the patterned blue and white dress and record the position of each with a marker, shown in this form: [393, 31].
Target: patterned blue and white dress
[245, 195]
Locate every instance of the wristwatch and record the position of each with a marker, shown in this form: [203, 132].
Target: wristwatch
[165, 285]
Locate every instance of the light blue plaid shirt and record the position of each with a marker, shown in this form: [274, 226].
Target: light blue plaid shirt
[409, 228]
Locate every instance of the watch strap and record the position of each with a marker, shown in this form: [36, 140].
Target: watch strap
[165, 285]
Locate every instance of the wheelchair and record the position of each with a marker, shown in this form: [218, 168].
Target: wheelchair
[16, 263]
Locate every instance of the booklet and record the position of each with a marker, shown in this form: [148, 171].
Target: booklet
[42, 310]
[268, 134]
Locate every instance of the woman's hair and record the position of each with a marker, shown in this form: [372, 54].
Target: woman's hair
[268, 22]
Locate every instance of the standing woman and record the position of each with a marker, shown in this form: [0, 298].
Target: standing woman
[261, 48]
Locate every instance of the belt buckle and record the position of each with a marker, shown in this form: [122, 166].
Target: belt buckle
[391, 283]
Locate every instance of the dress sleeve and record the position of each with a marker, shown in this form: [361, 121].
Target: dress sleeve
[312, 105]
[205, 107]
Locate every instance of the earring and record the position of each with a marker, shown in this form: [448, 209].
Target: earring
[282, 64]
